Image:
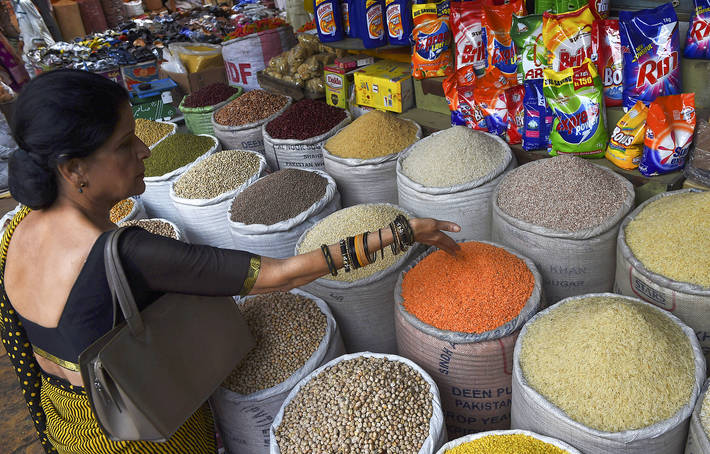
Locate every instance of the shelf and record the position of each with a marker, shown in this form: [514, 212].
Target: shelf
[356, 44]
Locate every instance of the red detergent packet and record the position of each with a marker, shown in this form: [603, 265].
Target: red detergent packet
[516, 114]
[462, 105]
[570, 38]
[490, 97]
[518, 6]
[611, 62]
[468, 35]
[497, 22]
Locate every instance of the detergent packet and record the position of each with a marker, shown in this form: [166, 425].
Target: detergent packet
[669, 134]
[651, 49]
[497, 21]
[518, 5]
[462, 105]
[697, 43]
[611, 63]
[532, 56]
[490, 96]
[537, 117]
[372, 22]
[345, 6]
[575, 96]
[514, 98]
[570, 38]
[431, 53]
[399, 21]
[626, 141]
[329, 20]
[470, 40]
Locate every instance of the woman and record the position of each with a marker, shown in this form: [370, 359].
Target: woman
[78, 156]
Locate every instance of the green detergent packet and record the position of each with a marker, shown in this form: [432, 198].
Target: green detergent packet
[532, 55]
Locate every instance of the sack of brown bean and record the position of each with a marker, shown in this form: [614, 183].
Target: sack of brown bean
[203, 193]
[506, 442]
[364, 403]
[157, 226]
[362, 157]
[249, 400]
[198, 107]
[129, 209]
[663, 257]
[269, 217]
[564, 214]
[168, 160]
[451, 175]
[295, 138]
[362, 300]
[238, 124]
[699, 433]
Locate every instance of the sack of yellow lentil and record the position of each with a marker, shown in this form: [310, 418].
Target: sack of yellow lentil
[152, 132]
[247, 403]
[699, 432]
[607, 374]
[506, 442]
[128, 210]
[362, 157]
[458, 318]
[663, 257]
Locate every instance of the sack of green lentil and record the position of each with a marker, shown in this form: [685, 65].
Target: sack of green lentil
[663, 257]
[129, 209]
[506, 442]
[168, 160]
[699, 432]
[270, 216]
[458, 318]
[198, 116]
[451, 175]
[362, 157]
[607, 373]
[362, 300]
[203, 193]
[295, 334]
[564, 214]
[238, 124]
[364, 402]
[295, 138]
[152, 132]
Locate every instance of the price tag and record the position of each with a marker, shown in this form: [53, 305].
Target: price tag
[167, 97]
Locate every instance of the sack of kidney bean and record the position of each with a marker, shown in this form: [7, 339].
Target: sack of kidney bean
[305, 119]
[210, 95]
[251, 107]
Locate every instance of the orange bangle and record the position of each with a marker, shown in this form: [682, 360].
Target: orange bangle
[360, 250]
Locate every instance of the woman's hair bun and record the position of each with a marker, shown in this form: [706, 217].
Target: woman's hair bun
[30, 182]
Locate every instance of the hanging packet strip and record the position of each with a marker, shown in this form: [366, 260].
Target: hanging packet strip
[669, 133]
[532, 56]
[626, 142]
[697, 43]
[489, 95]
[575, 96]
[611, 63]
[651, 50]
[372, 24]
[537, 117]
[399, 22]
[431, 53]
[328, 20]
[570, 38]
[514, 98]
[497, 21]
[470, 40]
[462, 105]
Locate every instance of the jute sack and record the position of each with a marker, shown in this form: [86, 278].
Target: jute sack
[364, 308]
[689, 302]
[698, 441]
[473, 371]
[468, 438]
[468, 204]
[531, 411]
[365, 180]
[173, 131]
[244, 420]
[156, 197]
[437, 431]
[203, 220]
[285, 153]
[279, 240]
[137, 212]
[244, 137]
[571, 263]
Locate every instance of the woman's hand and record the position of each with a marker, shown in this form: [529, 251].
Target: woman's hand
[430, 231]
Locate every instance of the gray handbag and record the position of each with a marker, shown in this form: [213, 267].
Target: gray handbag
[149, 374]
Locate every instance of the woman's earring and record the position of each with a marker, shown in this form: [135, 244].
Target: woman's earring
[81, 187]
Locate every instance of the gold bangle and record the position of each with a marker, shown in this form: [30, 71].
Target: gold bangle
[360, 251]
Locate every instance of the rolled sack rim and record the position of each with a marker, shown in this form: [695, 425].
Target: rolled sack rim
[311, 140]
[658, 279]
[584, 234]
[226, 129]
[173, 131]
[531, 307]
[174, 174]
[468, 438]
[626, 436]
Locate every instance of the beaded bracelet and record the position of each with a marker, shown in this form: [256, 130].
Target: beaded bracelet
[344, 253]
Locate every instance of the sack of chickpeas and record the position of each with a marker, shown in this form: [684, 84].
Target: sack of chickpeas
[248, 401]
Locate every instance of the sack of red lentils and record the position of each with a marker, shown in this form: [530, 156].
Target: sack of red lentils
[698, 441]
[508, 441]
[198, 115]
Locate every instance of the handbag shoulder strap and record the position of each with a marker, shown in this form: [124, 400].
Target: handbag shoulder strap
[117, 282]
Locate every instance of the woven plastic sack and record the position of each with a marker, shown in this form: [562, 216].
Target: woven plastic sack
[244, 420]
[300, 154]
[554, 442]
[698, 441]
[176, 229]
[698, 166]
[174, 130]
[365, 180]
[246, 56]
[134, 8]
[279, 240]
[114, 12]
[531, 411]
[468, 204]
[199, 119]
[571, 263]
[93, 16]
[244, 137]
[473, 371]
[156, 197]
[137, 212]
[203, 220]
[437, 431]
[688, 302]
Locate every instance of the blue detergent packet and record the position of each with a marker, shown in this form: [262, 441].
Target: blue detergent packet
[697, 43]
[538, 117]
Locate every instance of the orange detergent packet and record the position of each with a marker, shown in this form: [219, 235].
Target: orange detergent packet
[518, 6]
[432, 55]
[490, 97]
[497, 22]
[463, 107]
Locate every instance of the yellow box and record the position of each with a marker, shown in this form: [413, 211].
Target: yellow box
[385, 85]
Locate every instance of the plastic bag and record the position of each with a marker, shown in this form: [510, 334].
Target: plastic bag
[329, 20]
[398, 14]
[626, 142]
[697, 43]
[698, 167]
[316, 85]
[497, 21]
[570, 38]
[537, 117]
[516, 114]
[372, 22]
[431, 54]
[197, 57]
[490, 97]
[464, 111]
[611, 63]
[468, 35]
[532, 55]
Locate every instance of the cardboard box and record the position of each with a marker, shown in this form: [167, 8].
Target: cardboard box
[385, 85]
[338, 86]
[350, 62]
[139, 73]
[193, 82]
